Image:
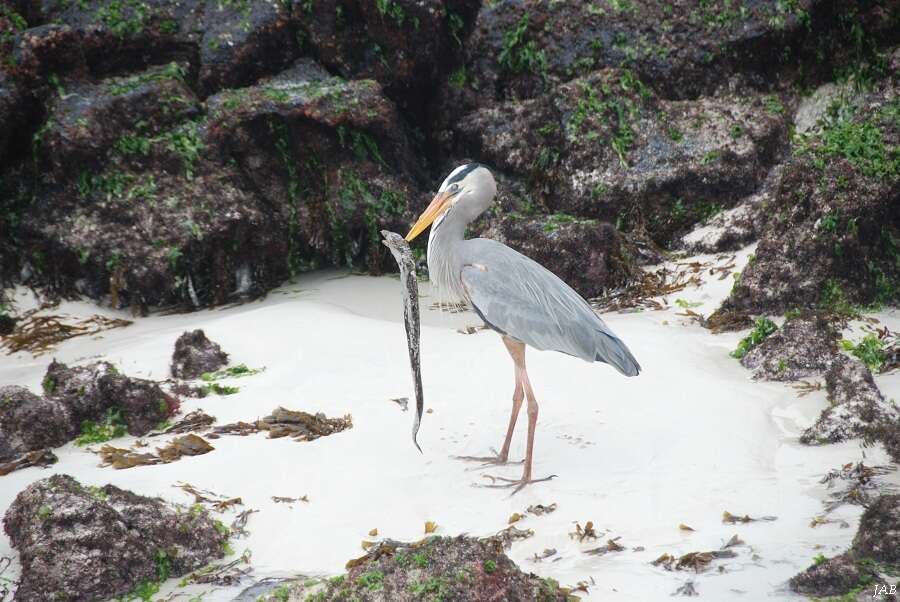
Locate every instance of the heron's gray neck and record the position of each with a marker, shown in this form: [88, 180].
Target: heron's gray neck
[445, 258]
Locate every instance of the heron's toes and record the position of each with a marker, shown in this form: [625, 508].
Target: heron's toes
[506, 483]
[487, 461]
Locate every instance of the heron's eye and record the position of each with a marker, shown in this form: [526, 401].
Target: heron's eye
[454, 187]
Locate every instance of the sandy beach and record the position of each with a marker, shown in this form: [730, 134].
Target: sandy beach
[691, 437]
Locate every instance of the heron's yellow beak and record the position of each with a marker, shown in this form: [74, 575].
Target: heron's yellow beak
[438, 206]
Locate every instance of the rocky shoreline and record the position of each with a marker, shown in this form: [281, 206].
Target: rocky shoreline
[162, 154]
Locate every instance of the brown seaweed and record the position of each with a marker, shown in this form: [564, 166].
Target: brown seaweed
[695, 561]
[40, 457]
[121, 459]
[279, 499]
[584, 533]
[511, 534]
[41, 334]
[229, 573]
[731, 519]
[644, 292]
[612, 545]
[300, 426]
[215, 501]
[195, 421]
[188, 445]
[239, 524]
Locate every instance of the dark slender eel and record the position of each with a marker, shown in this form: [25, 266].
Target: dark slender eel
[400, 250]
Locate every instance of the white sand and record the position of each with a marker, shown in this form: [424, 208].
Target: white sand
[692, 436]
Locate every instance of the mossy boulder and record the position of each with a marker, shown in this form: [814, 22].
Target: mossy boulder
[858, 409]
[195, 354]
[96, 543]
[405, 45]
[805, 346]
[147, 200]
[90, 392]
[605, 146]
[29, 422]
[447, 568]
[831, 235]
[873, 556]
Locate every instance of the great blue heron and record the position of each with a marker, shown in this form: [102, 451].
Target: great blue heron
[514, 295]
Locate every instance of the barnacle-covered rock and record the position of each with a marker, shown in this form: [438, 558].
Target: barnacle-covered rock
[95, 543]
[195, 354]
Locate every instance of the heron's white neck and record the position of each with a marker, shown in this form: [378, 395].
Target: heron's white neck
[444, 258]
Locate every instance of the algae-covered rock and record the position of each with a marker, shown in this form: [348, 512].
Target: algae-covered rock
[832, 234]
[406, 46]
[450, 568]
[858, 409]
[604, 146]
[243, 41]
[152, 202]
[95, 543]
[195, 354]
[802, 347]
[873, 557]
[29, 422]
[89, 392]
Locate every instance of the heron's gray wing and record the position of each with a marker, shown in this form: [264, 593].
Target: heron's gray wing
[518, 297]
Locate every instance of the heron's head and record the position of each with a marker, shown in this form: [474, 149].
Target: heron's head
[466, 193]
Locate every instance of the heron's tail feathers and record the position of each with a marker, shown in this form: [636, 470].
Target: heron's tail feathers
[612, 350]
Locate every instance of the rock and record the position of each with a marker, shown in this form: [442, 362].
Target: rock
[113, 36]
[589, 255]
[832, 577]
[88, 392]
[86, 121]
[195, 354]
[13, 112]
[858, 409]
[243, 41]
[831, 238]
[878, 536]
[79, 388]
[521, 49]
[122, 540]
[29, 423]
[358, 172]
[874, 555]
[7, 324]
[451, 568]
[143, 404]
[178, 207]
[802, 347]
[813, 108]
[405, 46]
[733, 228]
[605, 147]
[48, 49]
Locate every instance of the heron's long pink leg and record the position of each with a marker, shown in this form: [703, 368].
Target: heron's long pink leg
[517, 351]
[532, 424]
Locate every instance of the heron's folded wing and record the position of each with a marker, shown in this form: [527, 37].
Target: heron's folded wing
[519, 297]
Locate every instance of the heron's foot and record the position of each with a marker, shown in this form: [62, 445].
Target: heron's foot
[497, 459]
[505, 483]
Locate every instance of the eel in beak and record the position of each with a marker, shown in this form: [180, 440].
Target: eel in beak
[403, 255]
